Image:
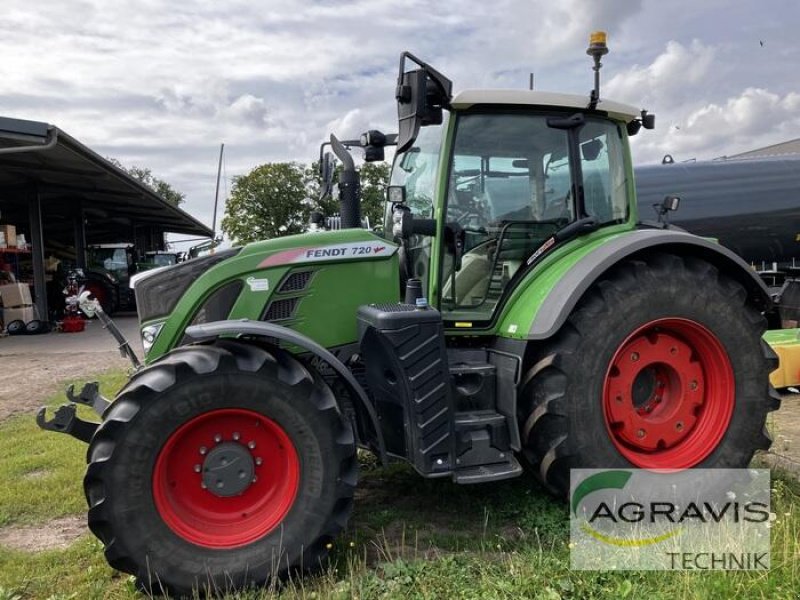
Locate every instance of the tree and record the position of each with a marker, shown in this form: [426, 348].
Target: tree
[374, 179]
[159, 186]
[270, 201]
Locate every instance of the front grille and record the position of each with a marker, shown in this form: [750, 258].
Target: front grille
[159, 293]
[295, 282]
[280, 310]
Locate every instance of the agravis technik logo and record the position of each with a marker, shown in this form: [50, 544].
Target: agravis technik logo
[691, 519]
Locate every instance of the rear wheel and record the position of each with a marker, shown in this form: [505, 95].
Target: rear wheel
[661, 365]
[220, 467]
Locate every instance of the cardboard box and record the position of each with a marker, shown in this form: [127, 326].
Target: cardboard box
[10, 234]
[15, 294]
[25, 314]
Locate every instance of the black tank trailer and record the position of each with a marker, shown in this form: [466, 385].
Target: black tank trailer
[752, 206]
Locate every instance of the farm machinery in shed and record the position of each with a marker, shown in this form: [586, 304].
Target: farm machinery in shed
[513, 313]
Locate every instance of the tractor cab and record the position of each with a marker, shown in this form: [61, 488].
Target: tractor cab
[501, 177]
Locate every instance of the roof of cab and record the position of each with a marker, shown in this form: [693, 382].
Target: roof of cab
[469, 98]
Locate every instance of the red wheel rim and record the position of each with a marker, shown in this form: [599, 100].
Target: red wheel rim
[668, 395]
[198, 515]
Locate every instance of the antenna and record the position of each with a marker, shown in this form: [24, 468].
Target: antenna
[597, 49]
[216, 195]
[531, 83]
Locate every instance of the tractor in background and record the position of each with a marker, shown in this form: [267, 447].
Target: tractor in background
[513, 313]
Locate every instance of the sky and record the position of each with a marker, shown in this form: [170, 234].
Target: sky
[160, 84]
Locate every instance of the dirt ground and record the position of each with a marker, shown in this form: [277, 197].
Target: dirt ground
[26, 381]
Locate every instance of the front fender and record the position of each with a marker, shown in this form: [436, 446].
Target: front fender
[538, 314]
[271, 330]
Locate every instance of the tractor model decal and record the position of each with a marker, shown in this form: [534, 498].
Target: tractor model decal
[348, 251]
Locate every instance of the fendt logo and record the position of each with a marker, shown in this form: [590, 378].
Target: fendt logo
[688, 519]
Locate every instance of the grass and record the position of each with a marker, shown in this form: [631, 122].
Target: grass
[408, 538]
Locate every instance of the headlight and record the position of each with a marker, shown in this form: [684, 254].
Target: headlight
[149, 335]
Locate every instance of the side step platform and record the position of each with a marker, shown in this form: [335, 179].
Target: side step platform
[483, 452]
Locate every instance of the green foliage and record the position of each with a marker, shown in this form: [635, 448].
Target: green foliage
[374, 179]
[270, 201]
[159, 186]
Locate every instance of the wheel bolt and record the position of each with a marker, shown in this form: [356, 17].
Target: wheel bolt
[693, 385]
[679, 425]
[218, 438]
[619, 398]
[203, 449]
[236, 436]
[197, 468]
[251, 445]
[203, 485]
[258, 461]
[255, 478]
[673, 350]
[635, 356]
[640, 433]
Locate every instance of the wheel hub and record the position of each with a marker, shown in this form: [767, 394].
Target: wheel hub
[228, 469]
[226, 478]
[668, 395]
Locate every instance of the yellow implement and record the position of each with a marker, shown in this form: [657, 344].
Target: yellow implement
[786, 343]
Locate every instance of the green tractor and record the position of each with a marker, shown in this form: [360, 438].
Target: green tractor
[514, 312]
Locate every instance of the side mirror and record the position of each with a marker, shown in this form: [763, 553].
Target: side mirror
[326, 168]
[373, 142]
[421, 95]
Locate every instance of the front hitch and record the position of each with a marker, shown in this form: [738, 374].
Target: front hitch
[65, 419]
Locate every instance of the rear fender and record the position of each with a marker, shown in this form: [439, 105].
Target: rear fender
[562, 298]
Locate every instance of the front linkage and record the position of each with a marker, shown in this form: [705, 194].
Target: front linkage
[65, 419]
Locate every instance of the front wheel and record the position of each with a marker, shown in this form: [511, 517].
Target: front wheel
[220, 467]
[661, 365]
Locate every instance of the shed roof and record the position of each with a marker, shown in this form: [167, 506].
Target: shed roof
[63, 168]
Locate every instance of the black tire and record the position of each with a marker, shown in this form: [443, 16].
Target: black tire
[36, 327]
[16, 327]
[186, 384]
[563, 402]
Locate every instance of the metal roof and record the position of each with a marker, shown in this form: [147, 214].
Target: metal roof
[469, 98]
[65, 171]
[790, 147]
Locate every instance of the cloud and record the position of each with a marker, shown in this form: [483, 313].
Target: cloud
[671, 78]
[753, 119]
[161, 84]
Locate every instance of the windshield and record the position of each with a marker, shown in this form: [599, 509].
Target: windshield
[510, 189]
[417, 169]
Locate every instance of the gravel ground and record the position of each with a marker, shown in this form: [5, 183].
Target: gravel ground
[33, 368]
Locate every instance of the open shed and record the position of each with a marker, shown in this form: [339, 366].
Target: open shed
[62, 196]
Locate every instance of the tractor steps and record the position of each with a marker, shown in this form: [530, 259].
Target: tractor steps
[483, 451]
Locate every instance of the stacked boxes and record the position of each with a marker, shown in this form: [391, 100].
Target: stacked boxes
[17, 303]
[8, 236]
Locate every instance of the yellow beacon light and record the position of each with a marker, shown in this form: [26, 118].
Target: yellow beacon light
[597, 39]
[597, 49]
